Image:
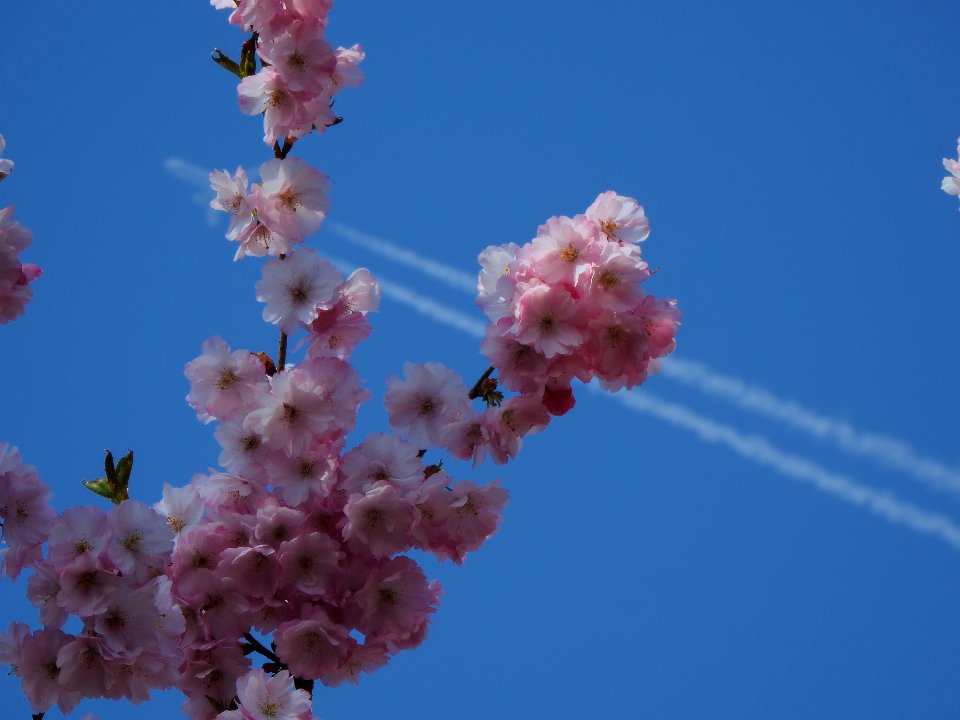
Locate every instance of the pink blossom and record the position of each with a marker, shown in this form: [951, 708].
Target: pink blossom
[43, 587]
[429, 398]
[614, 279]
[298, 193]
[336, 332]
[223, 382]
[210, 671]
[39, 671]
[270, 698]
[24, 510]
[308, 563]
[127, 623]
[396, 602]
[311, 647]
[348, 72]
[78, 530]
[379, 519]
[359, 658]
[142, 538]
[181, 506]
[267, 92]
[308, 474]
[619, 217]
[548, 320]
[381, 458]
[232, 198]
[5, 165]
[950, 184]
[301, 56]
[86, 588]
[295, 288]
[563, 248]
[85, 666]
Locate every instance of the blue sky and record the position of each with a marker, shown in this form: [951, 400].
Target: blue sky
[788, 157]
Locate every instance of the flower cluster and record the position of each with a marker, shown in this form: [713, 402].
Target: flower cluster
[567, 305]
[15, 276]
[951, 183]
[275, 214]
[300, 72]
[301, 537]
[107, 570]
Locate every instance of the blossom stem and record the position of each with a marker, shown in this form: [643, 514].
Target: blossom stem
[477, 389]
[282, 352]
[262, 649]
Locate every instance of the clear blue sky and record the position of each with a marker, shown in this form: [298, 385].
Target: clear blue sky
[788, 155]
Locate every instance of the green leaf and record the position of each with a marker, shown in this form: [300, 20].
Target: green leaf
[109, 469]
[101, 486]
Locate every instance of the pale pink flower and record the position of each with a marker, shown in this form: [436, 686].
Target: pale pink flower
[336, 332]
[614, 279]
[232, 198]
[254, 571]
[379, 519]
[308, 474]
[256, 14]
[396, 602]
[425, 402]
[519, 367]
[181, 506]
[195, 557]
[348, 72]
[563, 248]
[951, 183]
[39, 671]
[301, 56]
[223, 382]
[210, 670]
[298, 192]
[295, 288]
[5, 165]
[508, 424]
[24, 510]
[549, 320]
[381, 458]
[43, 586]
[85, 665]
[271, 698]
[467, 439]
[128, 622]
[78, 530]
[86, 588]
[275, 524]
[619, 217]
[309, 562]
[267, 92]
[142, 538]
[365, 658]
[311, 647]
[496, 283]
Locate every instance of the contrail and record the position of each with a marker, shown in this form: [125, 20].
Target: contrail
[750, 447]
[199, 178]
[887, 451]
[762, 452]
[446, 274]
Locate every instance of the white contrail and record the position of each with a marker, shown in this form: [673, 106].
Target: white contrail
[750, 447]
[446, 274]
[423, 305]
[188, 172]
[199, 178]
[761, 451]
[887, 451]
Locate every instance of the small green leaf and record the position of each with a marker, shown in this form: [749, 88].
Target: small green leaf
[101, 486]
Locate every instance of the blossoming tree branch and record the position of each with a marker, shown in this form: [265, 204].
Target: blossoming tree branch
[247, 586]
